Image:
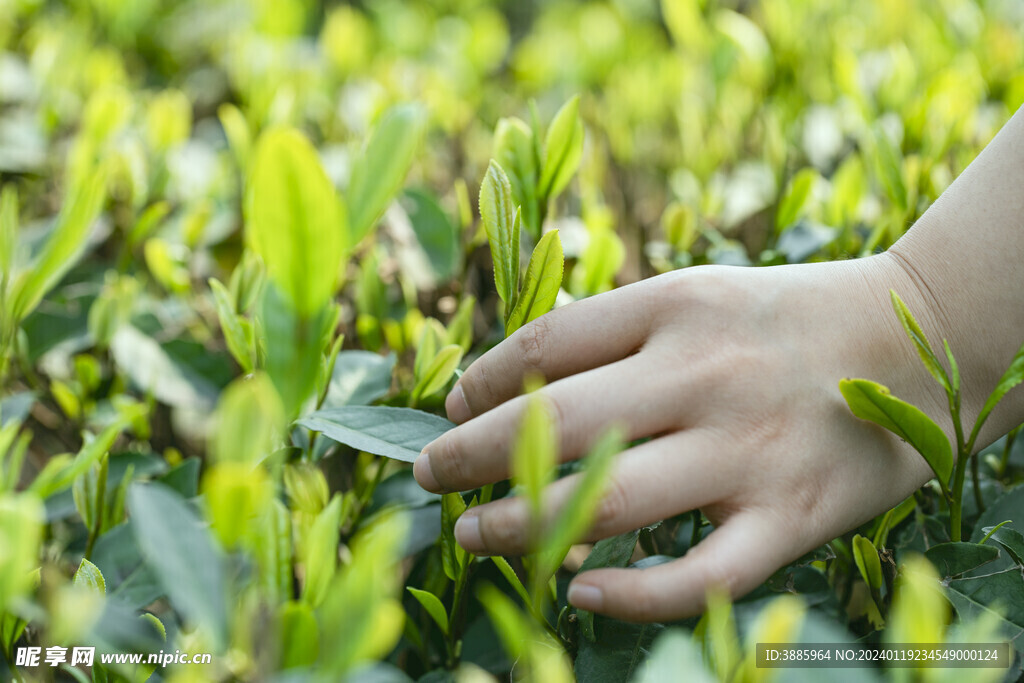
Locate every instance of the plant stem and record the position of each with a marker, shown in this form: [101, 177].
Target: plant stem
[460, 590]
[976, 485]
[1004, 461]
[963, 454]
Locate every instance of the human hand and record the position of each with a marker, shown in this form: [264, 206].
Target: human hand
[735, 373]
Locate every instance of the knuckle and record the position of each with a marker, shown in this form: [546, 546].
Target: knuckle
[613, 507]
[478, 388]
[499, 532]
[532, 342]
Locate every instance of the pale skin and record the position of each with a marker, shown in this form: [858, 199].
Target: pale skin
[735, 372]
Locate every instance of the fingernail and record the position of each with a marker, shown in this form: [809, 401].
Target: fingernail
[456, 407]
[423, 474]
[467, 533]
[585, 596]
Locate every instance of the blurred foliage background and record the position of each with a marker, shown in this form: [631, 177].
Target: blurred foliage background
[741, 132]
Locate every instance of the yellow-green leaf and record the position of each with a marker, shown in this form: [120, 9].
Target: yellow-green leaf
[64, 246]
[90, 576]
[536, 453]
[501, 223]
[563, 149]
[515, 150]
[378, 173]
[865, 555]
[231, 325]
[871, 401]
[543, 278]
[294, 220]
[433, 605]
[916, 334]
[438, 372]
[795, 197]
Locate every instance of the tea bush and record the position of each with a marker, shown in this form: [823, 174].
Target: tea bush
[247, 245]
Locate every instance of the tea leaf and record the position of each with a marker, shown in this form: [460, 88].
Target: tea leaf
[234, 335]
[501, 223]
[674, 651]
[8, 229]
[578, 514]
[924, 349]
[359, 378]
[177, 547]
[236, 495]
[871, 401]
[249, 416]
[433, 606]
[90, 576]
[543, 279]
[438, 372]
[1011, 541]
[608, 552]
[293, 348]
[1011, 378]
[952, 559]
[320, 553]
[563, 148]
[236, 130]
[510, 575]
[300, 635]
[795, 197]
[460, 328]
[865, 555]
[399, 433]
[535, 454]
[64, 245]
[453, 557]
[435, 232]
[377, 174]
[515, 150]
[294, 220]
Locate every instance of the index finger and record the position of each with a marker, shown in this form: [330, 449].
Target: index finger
[582, 335]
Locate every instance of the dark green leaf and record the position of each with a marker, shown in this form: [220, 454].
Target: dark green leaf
[178, 548]
[952, 559]
[183, 478]
[1011, 541]
[153, 370]
[436, 233]
[618, 653]
[609, 552]
[998, 596]
[399, 433]
[359, 378]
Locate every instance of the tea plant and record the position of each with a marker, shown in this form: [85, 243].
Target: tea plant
[871, 401]
[243, 258]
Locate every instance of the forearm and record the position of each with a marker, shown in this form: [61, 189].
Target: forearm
[965, 259]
